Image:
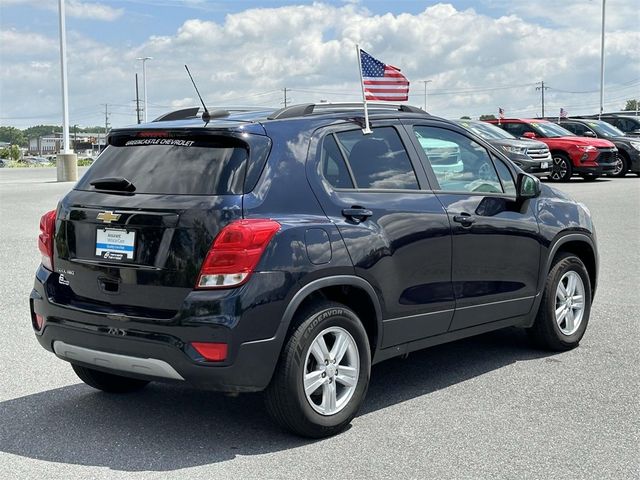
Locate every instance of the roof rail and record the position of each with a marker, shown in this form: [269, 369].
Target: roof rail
[304, 109]
[191, 112]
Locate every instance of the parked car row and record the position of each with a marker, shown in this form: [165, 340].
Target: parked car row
[531, 156]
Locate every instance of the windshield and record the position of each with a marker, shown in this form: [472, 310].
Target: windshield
[181, 167]
[551, 129]
[605, 129]
[486, 130]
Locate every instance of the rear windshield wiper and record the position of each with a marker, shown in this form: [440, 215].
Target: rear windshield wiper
[113, 183]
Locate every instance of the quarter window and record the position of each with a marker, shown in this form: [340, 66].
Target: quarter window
[459, 163]
[332, 164]
[506, 178]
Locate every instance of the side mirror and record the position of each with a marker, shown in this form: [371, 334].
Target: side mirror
[589, 133]
[529, 135]
[527, 186]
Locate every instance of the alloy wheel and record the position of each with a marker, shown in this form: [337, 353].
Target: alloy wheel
[331, 372]
[618, 167]
[559, 168]
[569, 303]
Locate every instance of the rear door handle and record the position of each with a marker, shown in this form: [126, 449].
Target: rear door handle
[464, 219]
[357, 214]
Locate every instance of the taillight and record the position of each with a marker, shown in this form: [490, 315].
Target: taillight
[45, 239]
[235, 253]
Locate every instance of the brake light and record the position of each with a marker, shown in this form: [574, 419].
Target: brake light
[235, 252]
[212, 352]
[45, 239]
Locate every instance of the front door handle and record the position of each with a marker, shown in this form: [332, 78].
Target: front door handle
[464, 219]
[357, 214]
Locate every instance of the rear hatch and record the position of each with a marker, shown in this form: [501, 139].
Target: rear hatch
[133, 233]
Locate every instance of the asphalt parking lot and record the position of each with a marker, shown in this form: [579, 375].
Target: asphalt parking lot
[486, 407]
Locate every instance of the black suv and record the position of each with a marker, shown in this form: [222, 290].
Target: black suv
[628, 147]
[288, 251]
[629, 124]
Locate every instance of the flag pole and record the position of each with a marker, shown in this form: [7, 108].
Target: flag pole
[366, 128]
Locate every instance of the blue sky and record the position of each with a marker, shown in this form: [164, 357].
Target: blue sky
[479, 55]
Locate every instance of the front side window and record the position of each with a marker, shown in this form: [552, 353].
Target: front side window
[378, 160]
[459, 163]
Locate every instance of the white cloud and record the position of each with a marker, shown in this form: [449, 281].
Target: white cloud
[74, 8]
[250, 56]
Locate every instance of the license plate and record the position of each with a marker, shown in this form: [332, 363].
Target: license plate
[115, 244]
[544, 164]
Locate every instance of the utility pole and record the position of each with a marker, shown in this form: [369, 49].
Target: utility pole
[602, 64]
[106, 118]
[137, 101]
[285, 97]
[425, 92]
[542, 88]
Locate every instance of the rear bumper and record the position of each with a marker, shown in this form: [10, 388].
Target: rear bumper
[162, 350]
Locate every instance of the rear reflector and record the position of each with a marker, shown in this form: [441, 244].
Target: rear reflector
[235, 253]
[39, 322]
[212, 352]
[45, 239]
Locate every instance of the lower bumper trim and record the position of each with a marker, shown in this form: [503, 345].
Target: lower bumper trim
[124, 363]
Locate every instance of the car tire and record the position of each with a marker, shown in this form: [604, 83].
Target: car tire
[564, 311]
[311, 398]
[622, 167]
[108, 382]
[561, 168]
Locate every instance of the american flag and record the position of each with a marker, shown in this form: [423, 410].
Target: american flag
[382, 82]
[501, 113]
[563, 113]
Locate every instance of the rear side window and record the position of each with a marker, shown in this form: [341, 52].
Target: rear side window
[172, 166]
[378, 160]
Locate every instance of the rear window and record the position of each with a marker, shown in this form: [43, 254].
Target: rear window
[172, 166]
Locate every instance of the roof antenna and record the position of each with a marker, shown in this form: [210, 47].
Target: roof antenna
[205, 115]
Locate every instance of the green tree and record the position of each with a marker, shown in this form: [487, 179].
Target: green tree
[487, 117]
[632, 105]
[39, 130]
[12, 152]
[12, 135]
[465, 117]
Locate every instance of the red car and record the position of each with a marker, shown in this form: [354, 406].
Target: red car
[588, 157]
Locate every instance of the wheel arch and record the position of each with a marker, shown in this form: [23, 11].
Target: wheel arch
[583, 247]
[354, 292]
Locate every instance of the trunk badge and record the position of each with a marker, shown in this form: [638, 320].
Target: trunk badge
[108, 217]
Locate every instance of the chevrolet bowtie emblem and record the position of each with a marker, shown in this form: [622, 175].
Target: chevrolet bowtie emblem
[108, 217]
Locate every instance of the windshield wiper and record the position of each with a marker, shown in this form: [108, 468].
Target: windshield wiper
[113, 183]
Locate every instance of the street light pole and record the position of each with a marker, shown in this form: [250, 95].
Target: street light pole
[425, 92]
[63, 71]
[144, 84]
[66, 161]
[602, 63]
